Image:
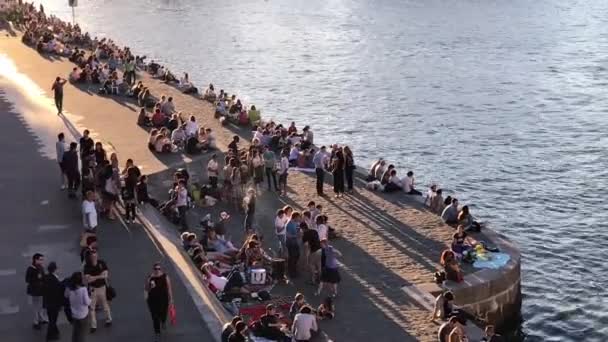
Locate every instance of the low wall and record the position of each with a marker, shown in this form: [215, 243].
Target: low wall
[492, 295]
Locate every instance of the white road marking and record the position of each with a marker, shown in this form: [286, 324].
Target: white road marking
[52, 227]
[6, 308]
[7, 272]
[423, 298]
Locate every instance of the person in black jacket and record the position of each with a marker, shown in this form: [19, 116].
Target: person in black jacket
[53, 300]
[70, 163]
[34, 277]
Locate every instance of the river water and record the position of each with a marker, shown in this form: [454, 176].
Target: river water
[504, 103]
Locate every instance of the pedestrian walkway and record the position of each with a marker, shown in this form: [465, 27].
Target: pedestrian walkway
[38, 217]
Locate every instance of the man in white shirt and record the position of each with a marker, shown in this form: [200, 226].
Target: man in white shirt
[212, 171]
[178, 137]
[191, 127]
[181, 202]
[284, 166]
[89, 212]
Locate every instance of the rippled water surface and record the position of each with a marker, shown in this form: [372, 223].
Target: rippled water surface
[503, 102]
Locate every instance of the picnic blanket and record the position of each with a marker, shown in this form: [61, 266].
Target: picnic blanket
[495, 261]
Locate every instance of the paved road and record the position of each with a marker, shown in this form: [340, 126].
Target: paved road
[38, 217]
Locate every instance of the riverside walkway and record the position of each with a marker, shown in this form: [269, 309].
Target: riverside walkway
[389, 242]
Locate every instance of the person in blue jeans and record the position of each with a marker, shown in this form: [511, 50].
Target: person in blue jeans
[293, 249]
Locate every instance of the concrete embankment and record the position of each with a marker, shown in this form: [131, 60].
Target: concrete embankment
[390, 243]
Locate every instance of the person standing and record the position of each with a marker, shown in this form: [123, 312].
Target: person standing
[320, 161]
[249, 204]
[330, 277]
[337, 170]
[349, 167]
[96, 274]
[283, 171]
[86, 145]
[213, 171]
[34, 277]
[182, 204]
[270, 167]
[293, 248]
[53, 300]
[57, 89]
[70, 166]
[89, 212]
[159, 297]
[60, 149]
[130, 71]
[79, 300]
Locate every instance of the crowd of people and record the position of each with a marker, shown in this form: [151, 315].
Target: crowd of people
[229, 270]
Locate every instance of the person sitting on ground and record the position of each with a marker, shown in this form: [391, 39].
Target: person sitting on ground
[186, 86]
[394, 183]
[292, 128]
[173, 123]
[168, 108]
[490, 335]
[239, 333]
[209, 94]
[436, 202]
[218, 245]
[307, 137]
[408, 184]
[458, 334]
[461, 242]
[233, 147]
[162, 144]
[296, 305]
[220, 109]
[371, 175]
[254, 115]
[327, 309]
[74, 75]
[191, 127]
[229, 328]
[304, 324]
[450, 213]
[152, 138]
[256, 257]
[178, 136]
[446, 328]
[450, 266]
[443, 306]
[142, 117]
[159, 119]
[294, 154]
[136, 89]
[464, 218]
[429, 194]
[271, 327]
[386, 175]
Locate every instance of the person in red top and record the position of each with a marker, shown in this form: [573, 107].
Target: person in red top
[159, 119]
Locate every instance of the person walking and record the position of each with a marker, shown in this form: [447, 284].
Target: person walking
[70, 166]
[349, 167]
[34, 277]
[270, 167]
[54, 300]
[79, 300]
[57, 89]
[96, 274]
[337, 170]
[60, 150]
[320, 162]
[159, 296]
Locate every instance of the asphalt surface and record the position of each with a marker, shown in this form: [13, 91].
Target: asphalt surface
[38, 217]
